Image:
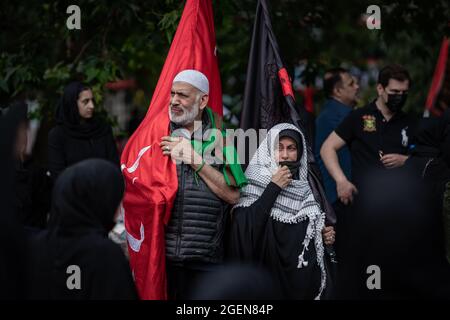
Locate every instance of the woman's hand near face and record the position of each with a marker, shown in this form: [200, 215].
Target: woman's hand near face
[282, 177]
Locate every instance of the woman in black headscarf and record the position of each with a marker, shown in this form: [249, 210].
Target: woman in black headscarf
[79, 134]
[85, 199]
[278, 224]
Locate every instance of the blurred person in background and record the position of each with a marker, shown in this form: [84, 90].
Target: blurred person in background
[79, 133]
[13, 244]
[341, 89]
[32, 185]
[85, 200]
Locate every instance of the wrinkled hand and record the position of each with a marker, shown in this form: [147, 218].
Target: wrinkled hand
[393, 160]
[282, 177]
[328, 235]
[180, 150]
[345, 190]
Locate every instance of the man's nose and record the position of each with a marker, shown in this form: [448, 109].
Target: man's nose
[284, 154]
[175, 99]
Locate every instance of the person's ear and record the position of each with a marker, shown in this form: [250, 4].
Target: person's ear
[380, 89]
[204, 101]
[336, 91]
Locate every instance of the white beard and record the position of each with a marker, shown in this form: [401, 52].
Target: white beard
[187, 117]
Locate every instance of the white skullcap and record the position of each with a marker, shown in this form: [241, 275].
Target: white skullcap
[194, 78]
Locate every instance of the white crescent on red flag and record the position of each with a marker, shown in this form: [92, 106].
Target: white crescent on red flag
[150, 177]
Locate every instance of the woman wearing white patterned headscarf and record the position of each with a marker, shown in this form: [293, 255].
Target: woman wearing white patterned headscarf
[278, 224]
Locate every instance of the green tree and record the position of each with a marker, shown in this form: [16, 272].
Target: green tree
[130, 39]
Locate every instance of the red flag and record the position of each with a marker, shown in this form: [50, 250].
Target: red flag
[150, 177]
[438, 79]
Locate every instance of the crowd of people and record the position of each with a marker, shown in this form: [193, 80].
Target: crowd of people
[384, 175]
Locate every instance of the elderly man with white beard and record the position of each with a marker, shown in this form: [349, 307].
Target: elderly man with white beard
[195, 232]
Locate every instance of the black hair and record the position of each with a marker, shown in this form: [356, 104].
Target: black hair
[393, 71]
[331, 79]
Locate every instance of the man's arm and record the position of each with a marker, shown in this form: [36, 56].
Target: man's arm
[328, 152]
[216, 182]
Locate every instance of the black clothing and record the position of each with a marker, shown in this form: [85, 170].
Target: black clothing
[393, 215]
[410, 252]
[64, 150]
[12, 242]
[345, 250]
[196, 227]
[433, 138]
[257, 238]
[104, 271]
[181, 281]
[73, 140]
[32, 195]
[31, 199]
[445, 146]
[235, 282]
[85, 199]
[367, 133]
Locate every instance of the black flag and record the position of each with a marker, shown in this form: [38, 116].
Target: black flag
[269, 98]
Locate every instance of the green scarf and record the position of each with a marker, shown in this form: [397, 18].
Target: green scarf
[230, 156]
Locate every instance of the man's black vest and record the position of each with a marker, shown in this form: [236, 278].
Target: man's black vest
[195, 231]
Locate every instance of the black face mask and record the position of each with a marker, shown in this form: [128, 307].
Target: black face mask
[396, 102]
[292, 166]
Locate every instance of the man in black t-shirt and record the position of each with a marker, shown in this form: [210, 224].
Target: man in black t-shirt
[378, 134]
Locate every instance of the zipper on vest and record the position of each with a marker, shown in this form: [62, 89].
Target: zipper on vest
[180, 210]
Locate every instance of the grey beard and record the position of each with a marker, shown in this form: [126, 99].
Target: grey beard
[187, 117]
